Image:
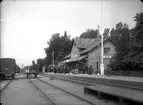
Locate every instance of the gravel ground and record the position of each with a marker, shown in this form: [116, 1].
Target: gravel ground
[22, 92]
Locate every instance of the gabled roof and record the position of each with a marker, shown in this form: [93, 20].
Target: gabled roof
[68, 56]
[95, 44]
[74, 59]
[83, 42]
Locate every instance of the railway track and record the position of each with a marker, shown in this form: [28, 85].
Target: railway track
[59, 96]
[129, 90]
[4, 84]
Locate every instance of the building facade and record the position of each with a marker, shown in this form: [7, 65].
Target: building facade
[94, 55]
[87, 52]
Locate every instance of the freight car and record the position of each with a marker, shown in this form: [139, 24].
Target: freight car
[7, 67]
[17, 69]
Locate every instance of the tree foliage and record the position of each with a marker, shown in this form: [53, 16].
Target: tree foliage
[121, 39]
[106, 32]
[135, 56]
[90, 33]
[60, 45]
[33, 66]
[40, 64]
[129, 45]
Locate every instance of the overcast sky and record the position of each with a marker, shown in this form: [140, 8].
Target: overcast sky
[26, 26]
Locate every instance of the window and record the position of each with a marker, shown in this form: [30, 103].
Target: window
[106, 50]
[96, 53]
[97, 65]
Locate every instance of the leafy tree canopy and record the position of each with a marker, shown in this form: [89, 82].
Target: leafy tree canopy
[120, 36]
[135, 56]
[106, 32]
[60, 45]
[40, 64]
[90, 33]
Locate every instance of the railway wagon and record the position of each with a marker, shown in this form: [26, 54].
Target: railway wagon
[17, 69]
[7, 67]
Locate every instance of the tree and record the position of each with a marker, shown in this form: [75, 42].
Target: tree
[33, 63]
[33, 66]
[90, 33]
[66, 47]
[40, 64]
[61, 45]
[135, 56]
[106, 32]
[120, 37]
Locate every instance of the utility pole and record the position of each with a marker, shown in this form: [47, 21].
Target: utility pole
[53, 57]
[99, 58]
[102, 49]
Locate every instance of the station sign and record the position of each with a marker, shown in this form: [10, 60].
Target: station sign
[106, 56]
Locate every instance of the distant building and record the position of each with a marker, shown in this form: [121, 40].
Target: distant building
[87, 52]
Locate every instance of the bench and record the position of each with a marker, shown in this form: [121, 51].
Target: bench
[29, 73]
[119, 92]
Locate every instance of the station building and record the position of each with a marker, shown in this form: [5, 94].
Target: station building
[87, 52]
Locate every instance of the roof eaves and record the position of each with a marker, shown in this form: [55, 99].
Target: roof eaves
[67, 56]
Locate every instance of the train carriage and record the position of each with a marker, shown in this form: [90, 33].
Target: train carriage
[17, 69]
[7, 67]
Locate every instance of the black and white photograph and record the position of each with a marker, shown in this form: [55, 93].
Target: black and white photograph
[71, 52]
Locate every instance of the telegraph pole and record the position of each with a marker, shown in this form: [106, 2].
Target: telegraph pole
[102, 49]
[99, 57]
[53, 57]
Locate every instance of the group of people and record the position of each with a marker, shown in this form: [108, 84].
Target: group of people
[86, 69]
[66, 69]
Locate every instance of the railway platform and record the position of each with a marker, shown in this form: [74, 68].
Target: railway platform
[121, 93]
[124, 81]
[3, 84]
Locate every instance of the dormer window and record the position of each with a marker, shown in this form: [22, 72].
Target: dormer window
[75, 52]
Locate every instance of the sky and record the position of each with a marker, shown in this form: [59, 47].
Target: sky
[27, 25]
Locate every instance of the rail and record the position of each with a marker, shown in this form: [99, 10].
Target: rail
[5, 86]
[81, 98]
[122, 92]
[43, 93]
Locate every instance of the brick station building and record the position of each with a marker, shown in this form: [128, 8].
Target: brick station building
[87, 52]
